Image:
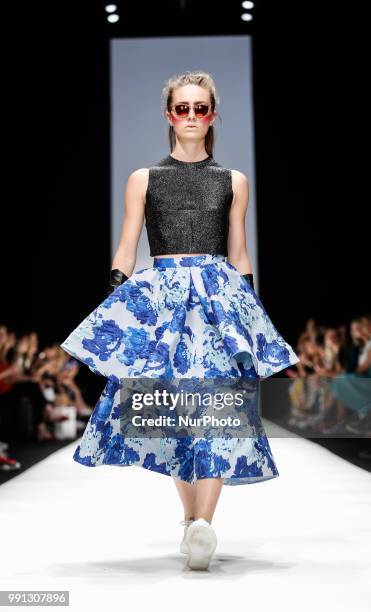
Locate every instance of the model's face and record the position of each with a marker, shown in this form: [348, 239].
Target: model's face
[191, 127]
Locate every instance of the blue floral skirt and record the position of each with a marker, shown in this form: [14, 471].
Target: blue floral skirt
[184, 317]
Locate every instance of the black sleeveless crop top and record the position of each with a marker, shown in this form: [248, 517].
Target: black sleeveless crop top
[187, 206]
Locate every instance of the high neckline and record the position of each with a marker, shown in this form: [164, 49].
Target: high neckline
[180, 162]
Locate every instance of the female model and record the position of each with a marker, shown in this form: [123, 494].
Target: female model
[194, 313]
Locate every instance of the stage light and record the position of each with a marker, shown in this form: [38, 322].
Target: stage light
[110, 8]
[113, 18]
[247, 5]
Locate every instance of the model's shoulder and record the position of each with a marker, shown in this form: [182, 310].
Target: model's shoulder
[137, 181]
[143, 172]
[139, 176]
[239, 177]
[240, 185]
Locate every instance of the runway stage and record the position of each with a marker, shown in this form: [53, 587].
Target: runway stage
[110, 536]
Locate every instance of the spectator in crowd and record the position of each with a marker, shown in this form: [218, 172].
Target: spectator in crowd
[330, 392]
[33, 384]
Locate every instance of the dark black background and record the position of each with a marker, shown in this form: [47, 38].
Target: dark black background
[55, 233]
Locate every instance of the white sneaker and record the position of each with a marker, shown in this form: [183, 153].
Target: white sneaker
[183, 546]
[201, 542]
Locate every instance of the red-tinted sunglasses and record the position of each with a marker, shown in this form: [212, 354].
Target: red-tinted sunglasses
[182, 110]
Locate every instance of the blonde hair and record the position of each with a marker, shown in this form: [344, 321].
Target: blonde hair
[195, 77]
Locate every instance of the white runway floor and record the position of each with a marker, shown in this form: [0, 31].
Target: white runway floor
[110, 536]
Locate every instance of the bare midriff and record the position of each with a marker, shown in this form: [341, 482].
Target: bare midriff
[180, 255]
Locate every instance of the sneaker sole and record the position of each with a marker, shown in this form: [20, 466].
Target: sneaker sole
[201, 546]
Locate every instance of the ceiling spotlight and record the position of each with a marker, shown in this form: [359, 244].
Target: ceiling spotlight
[246, 17]
[247, 5]
[113, 18]
[110, 8]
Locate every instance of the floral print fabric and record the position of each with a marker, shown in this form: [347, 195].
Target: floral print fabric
[190, 316]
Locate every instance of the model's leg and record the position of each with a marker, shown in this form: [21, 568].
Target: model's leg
[207, 495]
[187, 494]
[200, 539]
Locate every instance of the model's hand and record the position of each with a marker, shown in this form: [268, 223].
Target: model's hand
[250, 279]
[117, 277]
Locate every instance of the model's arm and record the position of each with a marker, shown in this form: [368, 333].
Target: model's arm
[237, 249]
[134, 203]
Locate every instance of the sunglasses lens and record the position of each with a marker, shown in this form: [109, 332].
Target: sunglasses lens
[201, 110]
[182, 110]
